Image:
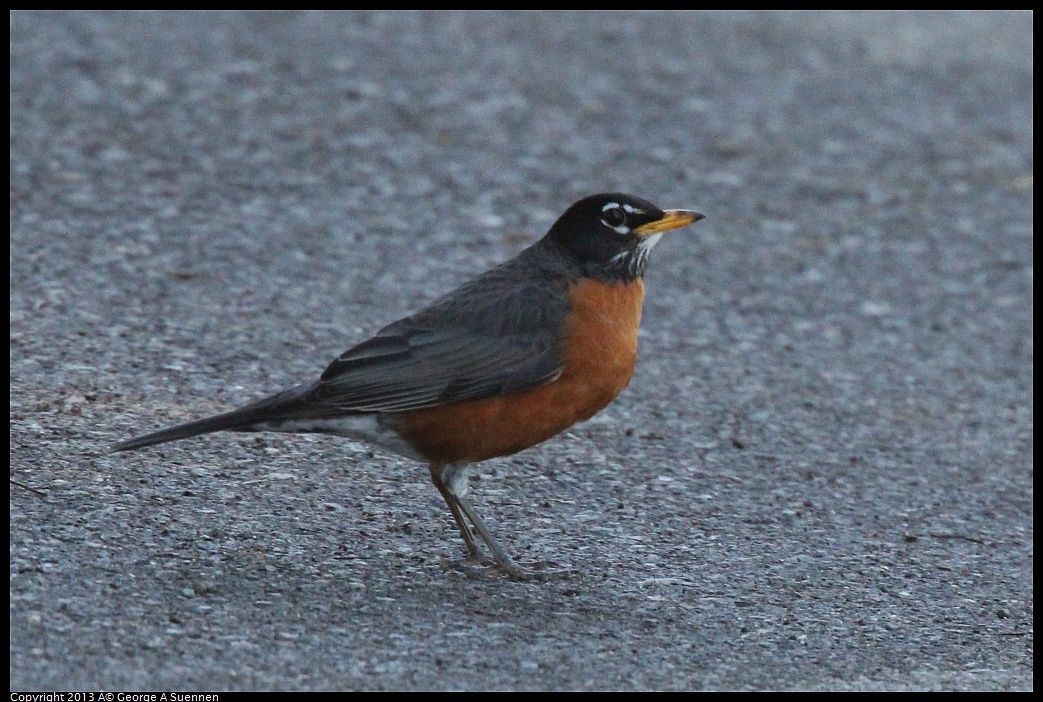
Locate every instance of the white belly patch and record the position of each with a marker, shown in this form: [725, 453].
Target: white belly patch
[367, 428]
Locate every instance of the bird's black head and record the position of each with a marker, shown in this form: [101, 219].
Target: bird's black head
[611, 234]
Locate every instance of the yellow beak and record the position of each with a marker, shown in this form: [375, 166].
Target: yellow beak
[671, 219]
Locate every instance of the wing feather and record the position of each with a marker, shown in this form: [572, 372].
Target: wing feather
[498, 334]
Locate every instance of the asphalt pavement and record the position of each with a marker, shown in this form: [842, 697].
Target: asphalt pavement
[819, 478]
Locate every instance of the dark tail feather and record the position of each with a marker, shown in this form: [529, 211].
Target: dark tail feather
[220, 422]
[285, 405]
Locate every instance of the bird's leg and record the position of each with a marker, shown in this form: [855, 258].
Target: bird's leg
[499, 555]
[451, 481]
[437, 472]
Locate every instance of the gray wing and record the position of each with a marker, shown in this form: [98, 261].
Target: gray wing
[498, 334]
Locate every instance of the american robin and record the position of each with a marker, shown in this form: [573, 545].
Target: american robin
[502, 363]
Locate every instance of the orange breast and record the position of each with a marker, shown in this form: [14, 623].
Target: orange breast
[599, 348]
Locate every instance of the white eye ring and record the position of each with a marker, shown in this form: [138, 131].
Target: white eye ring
[614, 218]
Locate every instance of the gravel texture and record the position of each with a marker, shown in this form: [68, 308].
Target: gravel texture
[820, 477]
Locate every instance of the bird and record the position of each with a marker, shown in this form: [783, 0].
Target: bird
[503, 363]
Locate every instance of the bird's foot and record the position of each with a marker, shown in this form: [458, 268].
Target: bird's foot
[483, 568]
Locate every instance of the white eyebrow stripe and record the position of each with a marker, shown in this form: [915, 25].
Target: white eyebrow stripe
[611, 205]
[633, 210]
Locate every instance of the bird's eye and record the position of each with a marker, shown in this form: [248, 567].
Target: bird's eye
[613, 217]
